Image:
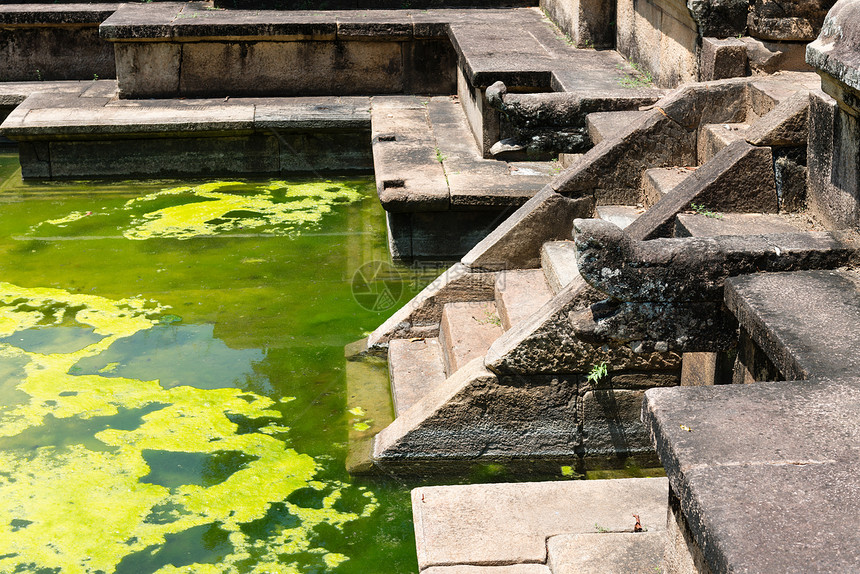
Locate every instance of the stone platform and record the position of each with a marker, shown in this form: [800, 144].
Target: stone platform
[89, 133]
[539, 527]
[764, 477]
[440, 196]
[766, 474]
[369, 52]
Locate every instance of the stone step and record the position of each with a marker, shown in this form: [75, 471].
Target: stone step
[659, 181]
[603, 125]
[84, 131]
[620, 215]
[414, 366]
[701, 225]
[558, 260]
[466, 332]
[607, 553]
[714, 137]
[510, 523]
[519, 293]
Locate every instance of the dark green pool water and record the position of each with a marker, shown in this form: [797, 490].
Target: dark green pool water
[172, 394]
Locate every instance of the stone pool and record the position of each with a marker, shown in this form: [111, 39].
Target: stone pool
[172, 394]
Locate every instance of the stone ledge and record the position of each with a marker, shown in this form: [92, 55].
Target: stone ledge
[766, 474]
[510, 523]
[55, 14]
[73, 115]
[807, 322]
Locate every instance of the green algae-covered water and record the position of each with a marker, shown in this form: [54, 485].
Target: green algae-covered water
[172, 393]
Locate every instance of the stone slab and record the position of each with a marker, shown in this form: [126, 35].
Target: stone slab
[517, 241]
[807, 322]
[520, 293]
[486, 524]
[558, 260]
[607, 553]
[415, 366]
[14, 93]
[620, 215]
[697, 225]
[475, 182]
[63, 14]
[714, 137]
[512, 569]
[90, 133]
[604, 125]
[785, 125]
[611, 427]
[409, 175]
[467, 331]
[739, 178]
[766, 474]
[659, 181]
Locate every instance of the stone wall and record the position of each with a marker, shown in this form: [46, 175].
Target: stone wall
[587, 23]
[54, 42]
[665, 37]
[661, 37]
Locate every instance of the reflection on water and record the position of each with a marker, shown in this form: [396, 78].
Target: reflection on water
[171, 379]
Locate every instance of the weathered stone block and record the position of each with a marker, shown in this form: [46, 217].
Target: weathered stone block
[791, 175]
[695, 268]
[765, 474]
[661, 36]
[324, 151]
[611, 425]
[785, 125]
[466, 332]
[519, 294]
[35, 158]
[657, 182]
[421, 316]
[720, 18]
[475, 414]
[147, 69]
[726, 58]
[806, 322]
[703, 369]
[291, 68]
[548, 343]
[255, 154]
[612, 170]
[587, 22]
[715, 137]
[787, 20]
[51, 52]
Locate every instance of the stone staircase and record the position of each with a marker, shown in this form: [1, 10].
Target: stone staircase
[468, 329]
[488, 363]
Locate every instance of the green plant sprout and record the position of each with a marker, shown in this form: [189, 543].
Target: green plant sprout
[638, 79]
[598, 372]
[702, 210]
[440, 157]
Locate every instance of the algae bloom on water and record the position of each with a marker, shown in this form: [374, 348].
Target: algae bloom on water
[107, 500]
[223, 207]
[172, 392]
